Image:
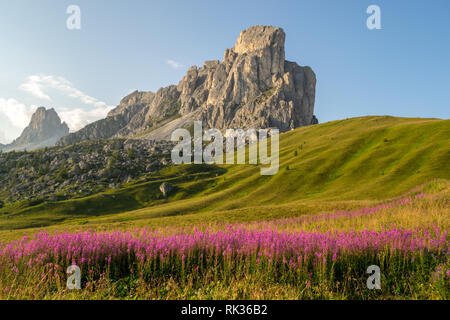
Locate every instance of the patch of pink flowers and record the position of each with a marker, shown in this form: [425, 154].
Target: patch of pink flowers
[258, 241]
[95, 249]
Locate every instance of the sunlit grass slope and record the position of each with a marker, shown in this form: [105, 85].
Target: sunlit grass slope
[343, 163]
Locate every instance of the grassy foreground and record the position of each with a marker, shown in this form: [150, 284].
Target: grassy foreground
[290, 258]
[379, 183]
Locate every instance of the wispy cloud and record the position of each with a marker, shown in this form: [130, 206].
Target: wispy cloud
[17, 113]
[15, 116]
[78, 118]
[36, 85]
[174, 64]
[3, 137]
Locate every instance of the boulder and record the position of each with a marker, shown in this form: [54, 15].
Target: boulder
[166, 188]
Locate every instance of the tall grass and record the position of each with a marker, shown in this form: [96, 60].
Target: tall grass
[275, 259]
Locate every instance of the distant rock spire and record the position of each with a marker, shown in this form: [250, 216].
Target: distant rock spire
[44, 129]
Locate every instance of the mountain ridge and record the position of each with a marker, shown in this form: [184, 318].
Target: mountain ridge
[253, 86]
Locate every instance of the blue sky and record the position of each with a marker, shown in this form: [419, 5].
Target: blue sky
[402, 69]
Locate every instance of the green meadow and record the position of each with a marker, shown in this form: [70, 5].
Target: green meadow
[342, 164]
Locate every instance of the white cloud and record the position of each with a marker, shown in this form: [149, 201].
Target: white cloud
[18, 114]
[36, 85]
[174, 64]
[78, 118]
[3, 137]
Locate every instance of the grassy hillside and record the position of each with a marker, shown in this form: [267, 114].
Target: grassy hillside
[345, 163]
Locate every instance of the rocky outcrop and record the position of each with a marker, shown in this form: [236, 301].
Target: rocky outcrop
[81, 169]
[253, 86]
[44, 130]
[102, 129]
[166, 188]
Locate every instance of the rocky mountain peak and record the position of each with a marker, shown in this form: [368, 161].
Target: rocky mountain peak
[252, 87]
[44, 129]
[43, 119]
[259, 38]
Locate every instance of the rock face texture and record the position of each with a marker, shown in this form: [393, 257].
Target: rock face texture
[83, 169]
[166, 188]
[252, 87]
[44, 130]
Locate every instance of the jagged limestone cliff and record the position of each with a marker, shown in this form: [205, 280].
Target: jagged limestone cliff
[44, 130]
[252, 87]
